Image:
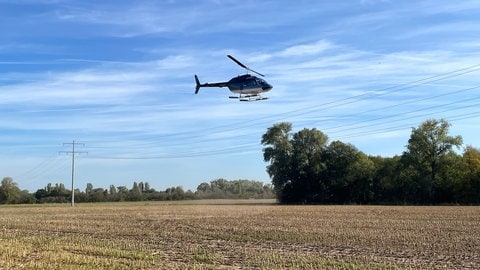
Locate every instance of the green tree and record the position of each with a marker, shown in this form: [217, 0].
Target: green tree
[203, 187]
[97, 195]
[308, 166]
[112, 194]
[175, 193]
[25, 197]
[296, 163]
[141, 187]
[61, 189]
[468, 187]
[278, 150]
[447, 178]
[135, 193]
[122, 193]
[385, 177]
[427, 149]
[220, 186]
[9, 191]
[112, 190]
[89, 188]
[361, 176]
[236, 189]
[340, 159]
[147, 187]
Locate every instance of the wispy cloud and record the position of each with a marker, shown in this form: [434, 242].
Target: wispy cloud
[119, 76]
[447, 29]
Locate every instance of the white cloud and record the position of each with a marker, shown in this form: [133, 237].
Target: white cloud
[355, 72]
[306, 49]
[446, 29]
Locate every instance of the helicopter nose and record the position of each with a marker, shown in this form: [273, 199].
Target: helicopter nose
[267, 87]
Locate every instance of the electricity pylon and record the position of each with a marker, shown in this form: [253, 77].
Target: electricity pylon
[73, 152]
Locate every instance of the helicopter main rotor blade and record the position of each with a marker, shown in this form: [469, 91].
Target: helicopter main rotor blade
[242, 65]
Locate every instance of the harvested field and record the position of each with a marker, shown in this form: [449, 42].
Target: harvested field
[238, 235]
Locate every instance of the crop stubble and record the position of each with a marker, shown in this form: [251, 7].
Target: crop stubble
[228, 235]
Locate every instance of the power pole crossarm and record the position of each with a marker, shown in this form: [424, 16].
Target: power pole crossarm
[73, 152]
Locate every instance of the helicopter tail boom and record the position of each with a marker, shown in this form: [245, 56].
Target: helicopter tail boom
[198, 84]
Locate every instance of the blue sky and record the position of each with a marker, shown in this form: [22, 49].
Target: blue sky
[117, 76]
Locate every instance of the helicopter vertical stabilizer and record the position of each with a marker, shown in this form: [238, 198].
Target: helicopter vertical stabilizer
[197, 87]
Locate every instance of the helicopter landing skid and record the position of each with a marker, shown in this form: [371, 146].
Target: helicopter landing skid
[248, 98]
[252, 99]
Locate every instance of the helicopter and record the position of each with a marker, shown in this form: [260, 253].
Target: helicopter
[248, 87]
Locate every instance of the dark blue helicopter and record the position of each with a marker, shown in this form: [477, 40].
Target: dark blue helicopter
[247, 86]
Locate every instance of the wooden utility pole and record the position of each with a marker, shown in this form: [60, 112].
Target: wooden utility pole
[73, 152]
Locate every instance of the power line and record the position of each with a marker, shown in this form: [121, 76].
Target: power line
[47, 168]
[307, 110]
[404, 103]
[196, 134]
[383, 130]
[350, 126]
[200, 135]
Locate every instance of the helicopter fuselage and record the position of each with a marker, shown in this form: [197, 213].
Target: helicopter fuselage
[243, 84]
[248, 84]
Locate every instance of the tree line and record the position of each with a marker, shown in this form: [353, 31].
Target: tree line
[10, 193]
[306, 168]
